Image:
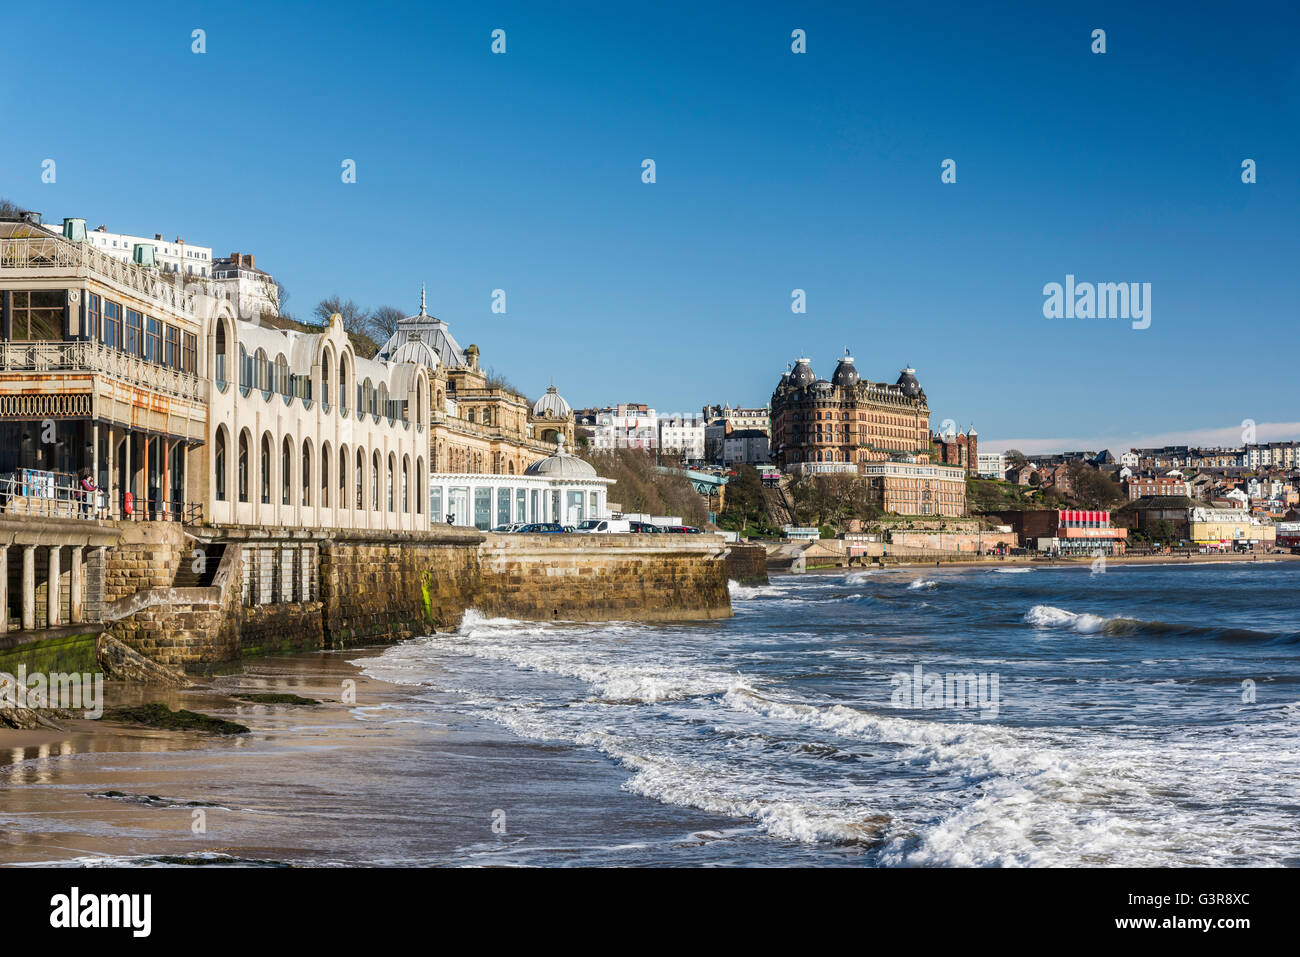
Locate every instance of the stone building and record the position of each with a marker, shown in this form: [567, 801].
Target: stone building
[847, 421]
[479, 425]
[958, 448]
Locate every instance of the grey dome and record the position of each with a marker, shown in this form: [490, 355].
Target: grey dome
[821, 385]
[907, 379]
[417, 351]
[560, 464]
[802, 375]
[551, 405]
[846, 373]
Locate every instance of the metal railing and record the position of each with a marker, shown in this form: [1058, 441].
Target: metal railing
[55, 253]
[55, 355]
[45, 494]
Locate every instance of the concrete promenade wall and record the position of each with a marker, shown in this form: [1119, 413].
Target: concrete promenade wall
[377, 586]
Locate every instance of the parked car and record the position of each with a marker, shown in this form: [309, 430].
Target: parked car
[684, 529]
[644, 528]
[605, 526]
[538, 527]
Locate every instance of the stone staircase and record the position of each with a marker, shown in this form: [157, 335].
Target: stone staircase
[199, 567]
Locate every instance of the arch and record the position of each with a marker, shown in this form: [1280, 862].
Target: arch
[305, 464]
[361, 479]
[221, 355]
[419, 485]
[242, 474]
[286, 471]
[406, 484]
[262, 371]
[219, 464]
[326, 376]
[419, 404]
[390, 487]
[267, 450]
[344, 461]
[245, 371]
[280, 378]
[382, 406]
[325, 459]
[469, 415]
[375, 475]
[512, 467]
[345, 369]
[487, 416]
[366, 398]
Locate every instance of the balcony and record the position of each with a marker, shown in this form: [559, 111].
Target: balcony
[56, 356]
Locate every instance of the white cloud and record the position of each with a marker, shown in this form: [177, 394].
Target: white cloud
[1229, 436]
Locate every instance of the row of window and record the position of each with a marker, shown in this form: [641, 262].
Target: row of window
[139, 335]
[389, 485]
[258, 371]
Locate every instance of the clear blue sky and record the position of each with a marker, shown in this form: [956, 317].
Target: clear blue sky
[775, 171]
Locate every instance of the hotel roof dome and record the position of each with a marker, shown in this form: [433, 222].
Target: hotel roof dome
[552, 405]
[560, 464]
[846, 373]
[907, 379]
[802, 375]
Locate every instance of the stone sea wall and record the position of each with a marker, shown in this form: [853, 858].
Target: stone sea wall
[372, 587]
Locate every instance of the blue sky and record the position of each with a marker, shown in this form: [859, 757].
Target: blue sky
[775, 171]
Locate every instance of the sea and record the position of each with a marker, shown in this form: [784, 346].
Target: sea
[918, 717]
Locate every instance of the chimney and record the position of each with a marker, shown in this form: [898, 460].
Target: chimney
[158, 236]
[248, 260]
[234, 259]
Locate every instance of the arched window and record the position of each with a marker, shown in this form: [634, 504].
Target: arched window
[375, 478]
[243, 466]
[219, 366]
[383, 407]
[419, 486]
[286, 471]
[219, 463]
[262, 367]
[487, 416]
[266, 468]
[246, 372]
[306, 472]
[343, 384]
[343, 476]
[281, 378]
[366, 398]
[361, 475]
[512, 468]
[326, 374]
[406, 479]
[325, 458]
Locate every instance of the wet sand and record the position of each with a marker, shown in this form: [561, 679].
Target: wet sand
[332, 784]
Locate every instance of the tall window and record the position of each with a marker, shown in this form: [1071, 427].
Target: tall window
[267, 452]
[306, 472]
[93, 308]
[173, 347]
[38, 314]
[219, 461]
[153, 340]
[243, 466]
[343, 477]
[375, 478]
[190, 353]
[286, 471]
[361, 474]
[134, 341]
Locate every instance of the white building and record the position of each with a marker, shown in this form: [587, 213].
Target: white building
[683, 435]
[1130, 458]
[174, 256]
[252, 291]
[302, 432]
[626, 426]
[746, 447]
[559, 488]
[991, 464]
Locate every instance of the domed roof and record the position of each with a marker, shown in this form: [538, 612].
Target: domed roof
[417, 351]
[821, 385]
[560, 464]
[802, 375]
[846, 373]
[907, 379]
[551, 405]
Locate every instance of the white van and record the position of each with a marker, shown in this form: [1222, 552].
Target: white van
[605, 526]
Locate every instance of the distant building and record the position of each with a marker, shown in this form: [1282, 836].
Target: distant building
[722, 420]
[1230, 526]
[176, 256]
[913, 488]
[992, 465]
[1156, 485]
[745, 447]
[958, 448]
[847, 420]
[252, 291]
[683, 435]
[628, 425]
[1068, 531]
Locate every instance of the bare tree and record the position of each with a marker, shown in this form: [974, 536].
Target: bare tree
[383, 323]
[9, 209]
[354, 317]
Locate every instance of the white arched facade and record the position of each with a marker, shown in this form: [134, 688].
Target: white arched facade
[321, 412]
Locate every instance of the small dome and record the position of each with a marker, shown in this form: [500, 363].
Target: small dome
[846, 373]
[414, 350]
[551, 405]
[821, 385]
[560, 464]
[802, 375]
[907, 380]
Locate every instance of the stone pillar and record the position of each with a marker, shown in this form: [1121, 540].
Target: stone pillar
[75, 586]
[29, 587]
[4, 589]
[52, 591]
